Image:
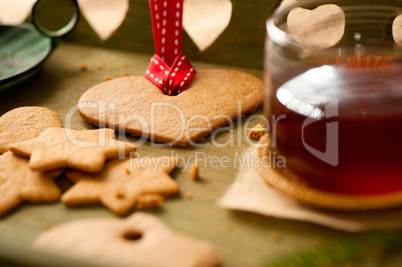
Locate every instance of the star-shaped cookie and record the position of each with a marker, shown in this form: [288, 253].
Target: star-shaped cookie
[25, 123]
[58, 148]
[18, 183]
[123, 184]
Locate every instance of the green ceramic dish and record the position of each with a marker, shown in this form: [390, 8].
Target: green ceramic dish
[25, 47]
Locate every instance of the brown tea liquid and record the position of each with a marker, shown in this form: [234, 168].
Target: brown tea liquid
[365, 94]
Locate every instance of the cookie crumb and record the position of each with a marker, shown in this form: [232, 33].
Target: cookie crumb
[188, 196]
[47, 227]
[85, 129]
[124, 74]
[82, 67]
[127, 170]
[257, 132]
[107, 77]
[275, 236]
[149, 202]
[194, 172]
[100, 67]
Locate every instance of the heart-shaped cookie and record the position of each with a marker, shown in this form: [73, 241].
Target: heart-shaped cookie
[134, 105]
[320, 28]
[205, 20]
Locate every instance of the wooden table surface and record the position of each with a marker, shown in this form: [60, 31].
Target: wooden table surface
[243, 239]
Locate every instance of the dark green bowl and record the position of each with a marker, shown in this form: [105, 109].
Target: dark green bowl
[25, 47]
[22, 51]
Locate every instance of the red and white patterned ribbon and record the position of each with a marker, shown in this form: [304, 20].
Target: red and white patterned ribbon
[169, 69]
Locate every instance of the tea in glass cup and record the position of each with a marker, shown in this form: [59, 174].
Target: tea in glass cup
[333, 74]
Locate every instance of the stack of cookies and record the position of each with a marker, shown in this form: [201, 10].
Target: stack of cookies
[37, 149]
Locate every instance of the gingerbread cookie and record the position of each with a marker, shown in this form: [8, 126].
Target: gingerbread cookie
[58, 148]
[124, 184]
[25, 123]
[18, 183]
[139, 240]
[134, 105]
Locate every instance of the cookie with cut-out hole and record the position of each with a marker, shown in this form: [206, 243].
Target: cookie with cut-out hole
[139, 240]
[124, 184]
[25, 123]
[18, 183]
[58, 148]
[214, 98]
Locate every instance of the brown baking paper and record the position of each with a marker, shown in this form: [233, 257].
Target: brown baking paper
[250, 193]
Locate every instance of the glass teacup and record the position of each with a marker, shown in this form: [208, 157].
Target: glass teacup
[333, 74]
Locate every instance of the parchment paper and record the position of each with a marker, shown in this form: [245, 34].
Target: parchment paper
[250, 193]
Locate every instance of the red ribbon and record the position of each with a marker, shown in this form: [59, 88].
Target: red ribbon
[169, 69]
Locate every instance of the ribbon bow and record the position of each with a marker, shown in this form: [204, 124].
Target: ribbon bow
[169, 69]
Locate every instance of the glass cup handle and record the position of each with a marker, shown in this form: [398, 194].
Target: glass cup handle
[58, 33]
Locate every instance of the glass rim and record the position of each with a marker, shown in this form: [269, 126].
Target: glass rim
[283, 38]
[278, 35]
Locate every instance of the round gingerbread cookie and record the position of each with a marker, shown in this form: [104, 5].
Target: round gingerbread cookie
[25, 123]
[215, 98]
